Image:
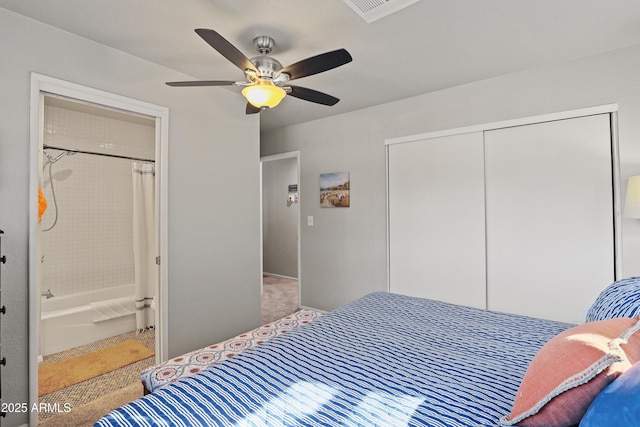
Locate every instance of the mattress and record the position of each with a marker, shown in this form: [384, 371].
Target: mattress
[193, 362]
[382, 360]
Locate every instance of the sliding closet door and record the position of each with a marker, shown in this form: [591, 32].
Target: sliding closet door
[549, 203]
[436, 219]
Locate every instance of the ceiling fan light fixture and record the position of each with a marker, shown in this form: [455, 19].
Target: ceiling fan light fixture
[265, 76]
[264, 94]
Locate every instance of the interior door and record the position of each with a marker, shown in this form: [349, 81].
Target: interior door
[549, 203]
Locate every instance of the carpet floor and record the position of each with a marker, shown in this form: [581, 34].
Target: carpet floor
[92, 399]
[280, 297]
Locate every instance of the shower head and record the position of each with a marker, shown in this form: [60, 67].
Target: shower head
[54, 159]
[51, 160]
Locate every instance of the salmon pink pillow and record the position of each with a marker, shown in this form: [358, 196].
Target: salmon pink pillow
[571, 369]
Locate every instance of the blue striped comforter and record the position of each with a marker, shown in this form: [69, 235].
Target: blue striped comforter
[382, 360]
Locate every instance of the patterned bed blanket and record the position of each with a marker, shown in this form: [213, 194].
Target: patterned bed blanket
[382, 360]
[191, 363]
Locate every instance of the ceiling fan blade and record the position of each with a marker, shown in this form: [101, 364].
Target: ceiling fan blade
[203, 83]
[317, 64]
[226, 49]
[252, 109]
[313, 95]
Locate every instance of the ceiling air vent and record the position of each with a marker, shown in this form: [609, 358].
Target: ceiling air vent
[372, 10]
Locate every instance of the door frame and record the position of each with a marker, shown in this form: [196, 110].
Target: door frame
[41, 84]
[270, 158]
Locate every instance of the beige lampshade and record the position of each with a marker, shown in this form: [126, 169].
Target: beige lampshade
[632, 202]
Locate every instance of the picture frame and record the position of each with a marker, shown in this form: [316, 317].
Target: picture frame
[335, 190]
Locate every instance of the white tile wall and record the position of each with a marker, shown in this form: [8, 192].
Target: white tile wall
[90, 246]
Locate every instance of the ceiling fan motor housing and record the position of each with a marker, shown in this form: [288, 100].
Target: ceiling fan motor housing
[268, 67]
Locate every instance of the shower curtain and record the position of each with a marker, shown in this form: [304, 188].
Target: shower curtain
[144, 242]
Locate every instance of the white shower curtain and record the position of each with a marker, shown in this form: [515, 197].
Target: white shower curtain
[144, 242]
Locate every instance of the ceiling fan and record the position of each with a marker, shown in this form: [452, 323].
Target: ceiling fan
[266, 80]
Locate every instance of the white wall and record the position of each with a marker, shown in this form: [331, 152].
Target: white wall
[344, 253]
[214, 265]
[279, 218]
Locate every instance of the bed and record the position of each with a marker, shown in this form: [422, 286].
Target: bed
[382, 360]
[156, 377]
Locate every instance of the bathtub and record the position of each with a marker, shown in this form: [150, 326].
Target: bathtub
[67, 321]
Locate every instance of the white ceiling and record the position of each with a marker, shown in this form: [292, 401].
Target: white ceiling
[430, 45]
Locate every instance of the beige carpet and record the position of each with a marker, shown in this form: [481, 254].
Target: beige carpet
[279, 297]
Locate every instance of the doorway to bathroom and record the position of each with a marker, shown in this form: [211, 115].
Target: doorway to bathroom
[281, 276]
[97, 233]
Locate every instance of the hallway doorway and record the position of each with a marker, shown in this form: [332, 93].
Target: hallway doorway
[280, 213]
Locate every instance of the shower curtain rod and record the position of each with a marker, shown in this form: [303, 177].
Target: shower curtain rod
[44, 147]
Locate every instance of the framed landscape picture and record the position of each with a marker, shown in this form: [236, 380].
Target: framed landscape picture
[334, 190]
